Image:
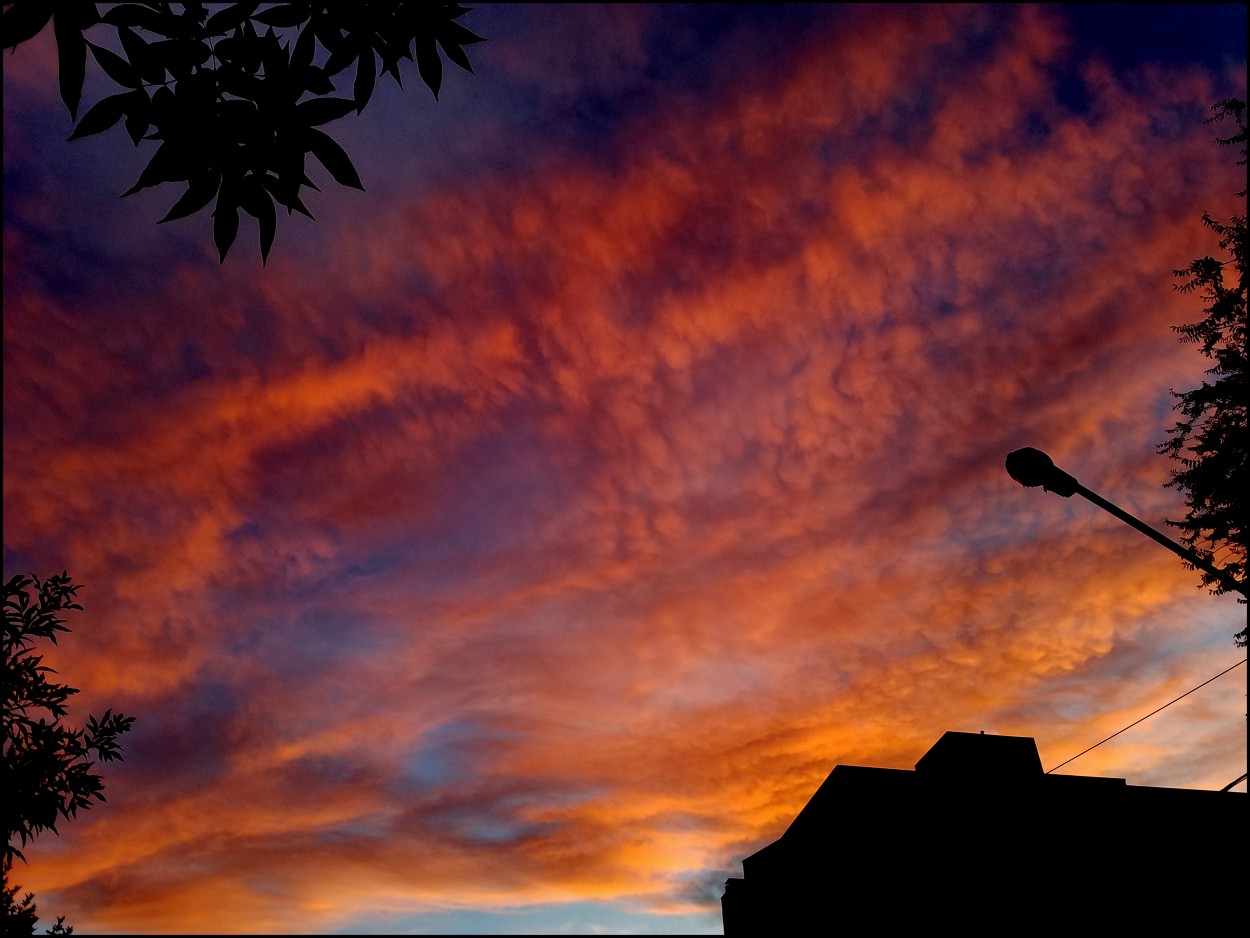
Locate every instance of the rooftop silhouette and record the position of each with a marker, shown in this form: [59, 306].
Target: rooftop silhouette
[980, 837]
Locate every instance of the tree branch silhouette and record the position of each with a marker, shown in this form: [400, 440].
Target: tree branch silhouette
[236, 111]
[1212, 441]
[46, 773]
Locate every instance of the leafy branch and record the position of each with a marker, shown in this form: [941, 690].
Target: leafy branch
[1211, 441]
[46, 771]
[236, 111]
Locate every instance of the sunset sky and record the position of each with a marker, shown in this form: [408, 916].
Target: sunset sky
[523, 545]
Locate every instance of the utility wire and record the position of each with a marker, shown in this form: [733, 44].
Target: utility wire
[1147, 717]
[1240, 778]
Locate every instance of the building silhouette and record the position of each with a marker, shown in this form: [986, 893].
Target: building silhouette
[978, 838]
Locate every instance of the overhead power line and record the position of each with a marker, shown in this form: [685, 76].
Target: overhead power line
[1240, 778]
[1147, 717]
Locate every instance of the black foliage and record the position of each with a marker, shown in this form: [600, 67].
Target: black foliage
[19, 918]
[234, 105]
[1212, 441]
[46, 773]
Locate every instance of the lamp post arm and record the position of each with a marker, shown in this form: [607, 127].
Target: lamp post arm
[1185, 553]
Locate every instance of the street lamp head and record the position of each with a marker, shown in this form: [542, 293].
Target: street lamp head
[1031, 468]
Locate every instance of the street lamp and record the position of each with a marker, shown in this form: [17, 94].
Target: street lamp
[1031, 468]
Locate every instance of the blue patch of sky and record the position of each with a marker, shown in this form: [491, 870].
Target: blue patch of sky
[462, 749]
[441, 757]
[489, 827]
[455, 749]
[571, 918]
[488, 819]
[704, 886]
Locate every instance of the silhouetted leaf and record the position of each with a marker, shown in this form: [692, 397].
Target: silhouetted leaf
[451, 36]
[456, 54]
[224, 20]
[198, 99]
[286, 14]
[140, 15]
[102, 115]
[452, 31]
[429, 64]
[140, 56]
[199, 193]
[392, 51]
[47, 770]
[261, 132]
[286, 196]
[273, 58]
[180, 56]
[328, 34]
[302, 54]
[163, 167]
[249, 56]
[256, 202]
[228, 49]
[225, 224]
[71, 50]
[163, 104]
[242, 84]
[240, 112]
[393, 71]
[366, 75]
[24, 20]
[323, 110]
[115, 67]
[334, 159]
[137, 112]
[341, 57]
[317, 81]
